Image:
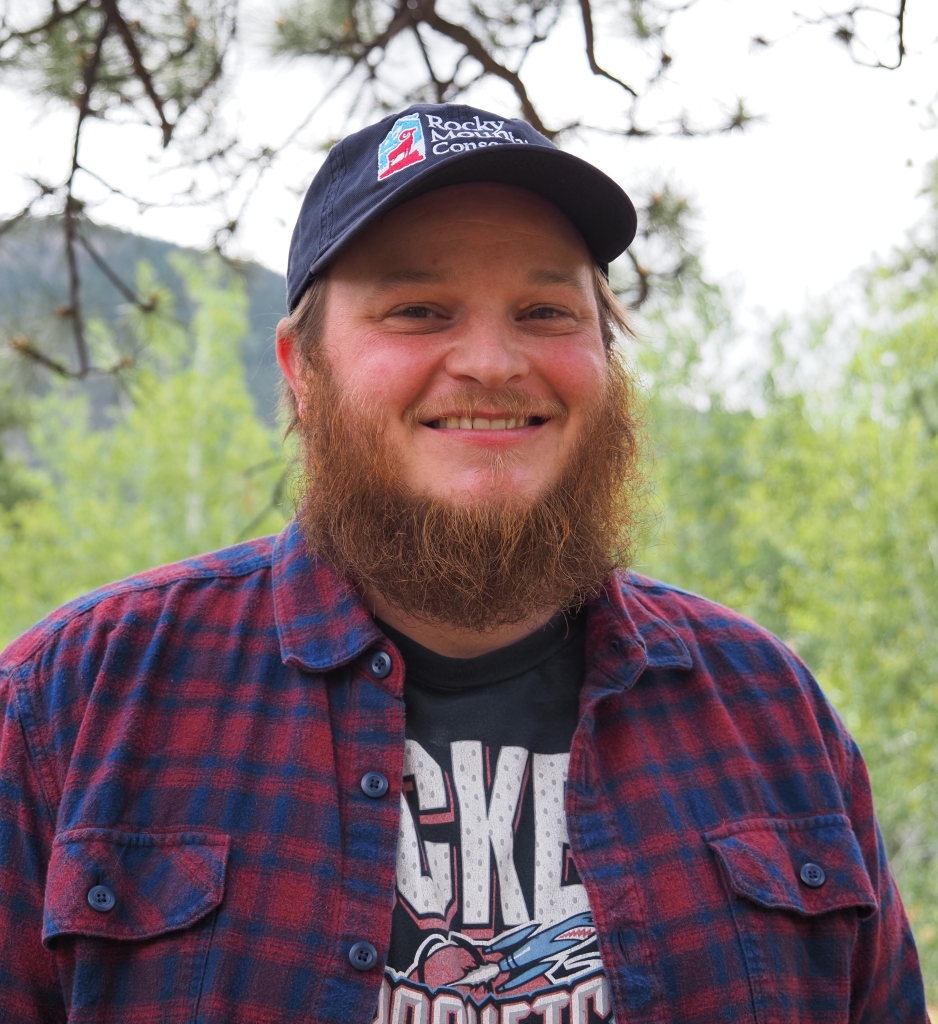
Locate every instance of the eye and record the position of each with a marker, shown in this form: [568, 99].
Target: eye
[544, 313]
[416, 312]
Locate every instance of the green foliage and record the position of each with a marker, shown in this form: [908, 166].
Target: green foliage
[644, 19]
[186, 467]
[665, 258]
[14, 415]
[817, 516]
[338, 28]
[131, 53]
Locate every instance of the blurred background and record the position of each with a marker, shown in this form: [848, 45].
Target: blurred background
[784, 160]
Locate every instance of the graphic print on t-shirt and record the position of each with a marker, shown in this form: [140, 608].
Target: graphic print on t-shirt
[492, 953]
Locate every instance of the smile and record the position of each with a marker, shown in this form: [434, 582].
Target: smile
[483, 423]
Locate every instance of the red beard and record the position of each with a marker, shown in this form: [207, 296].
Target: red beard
[477, 566]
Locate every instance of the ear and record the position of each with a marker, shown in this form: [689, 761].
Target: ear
[288, 358]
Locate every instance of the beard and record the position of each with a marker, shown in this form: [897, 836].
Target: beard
[477, 565]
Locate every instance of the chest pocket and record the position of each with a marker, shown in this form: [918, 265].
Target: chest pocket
[798, 889]
[130, 916]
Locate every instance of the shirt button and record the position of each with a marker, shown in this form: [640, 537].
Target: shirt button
[363, 956]
[101, 898]
[813, 875]
[380, 665]
[374, 784]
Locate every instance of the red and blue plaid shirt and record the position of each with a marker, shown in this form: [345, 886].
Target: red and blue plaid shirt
[185, 750]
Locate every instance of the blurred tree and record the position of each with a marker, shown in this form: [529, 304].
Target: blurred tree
[14, 415]
[163, 63]
[186, 467]
[149, 61]
[817, 516]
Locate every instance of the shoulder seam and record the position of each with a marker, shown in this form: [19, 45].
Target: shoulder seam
[19, 696]
[636, 579]
[126, 586]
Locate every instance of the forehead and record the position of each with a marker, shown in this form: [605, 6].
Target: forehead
[480, 225]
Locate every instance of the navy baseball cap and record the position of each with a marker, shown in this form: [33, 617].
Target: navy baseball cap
[432, 145]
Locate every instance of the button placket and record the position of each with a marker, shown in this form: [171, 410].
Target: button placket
[374, 785]
[363, 955]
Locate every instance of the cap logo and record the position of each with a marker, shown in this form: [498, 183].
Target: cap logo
[402, 146]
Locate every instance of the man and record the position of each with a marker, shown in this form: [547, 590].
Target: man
[431, 756]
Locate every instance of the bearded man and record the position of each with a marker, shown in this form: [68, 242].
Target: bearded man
[434, 755]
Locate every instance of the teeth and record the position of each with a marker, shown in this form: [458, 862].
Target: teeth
[479, 423]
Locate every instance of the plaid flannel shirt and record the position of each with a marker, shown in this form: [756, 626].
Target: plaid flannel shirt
[192, 741]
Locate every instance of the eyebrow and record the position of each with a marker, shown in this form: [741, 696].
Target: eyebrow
[552, 277]
[417, 276]
[412, 276]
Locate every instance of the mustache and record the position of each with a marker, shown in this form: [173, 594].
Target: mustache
[466, 401]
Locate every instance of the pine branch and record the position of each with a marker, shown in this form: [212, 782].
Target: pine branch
[56, 18]
[129, 294]
[24, 347]
[476, 49]
[140, 70]
[586, 12]
[73, 206]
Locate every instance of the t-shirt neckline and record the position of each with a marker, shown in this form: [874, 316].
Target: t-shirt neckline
[445, 673]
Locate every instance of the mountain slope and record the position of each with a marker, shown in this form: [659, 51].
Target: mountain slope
[34, 284]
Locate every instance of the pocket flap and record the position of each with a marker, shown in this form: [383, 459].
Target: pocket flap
[763, 859]
[159, 881]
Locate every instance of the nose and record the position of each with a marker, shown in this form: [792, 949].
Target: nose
[485, 353]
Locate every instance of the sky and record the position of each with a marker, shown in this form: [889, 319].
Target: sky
[827, 180]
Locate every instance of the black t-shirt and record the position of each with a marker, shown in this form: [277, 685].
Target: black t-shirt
[491, 921]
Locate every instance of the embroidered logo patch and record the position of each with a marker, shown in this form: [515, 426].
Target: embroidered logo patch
[402, 147]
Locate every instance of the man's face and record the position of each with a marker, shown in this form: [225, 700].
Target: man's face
[470, 454]
[465, 325]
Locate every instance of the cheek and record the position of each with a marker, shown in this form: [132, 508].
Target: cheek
[381, 375]
[577, 373]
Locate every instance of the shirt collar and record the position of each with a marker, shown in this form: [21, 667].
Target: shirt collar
[321, 621]
[624, 636]
[664, 646]
[323, 624]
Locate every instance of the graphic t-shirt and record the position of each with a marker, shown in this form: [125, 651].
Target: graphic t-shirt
[491, 922]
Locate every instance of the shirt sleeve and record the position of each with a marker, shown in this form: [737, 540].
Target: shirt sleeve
[886, 975]
[30, 992]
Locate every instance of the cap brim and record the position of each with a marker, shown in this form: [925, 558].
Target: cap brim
[596, 205]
